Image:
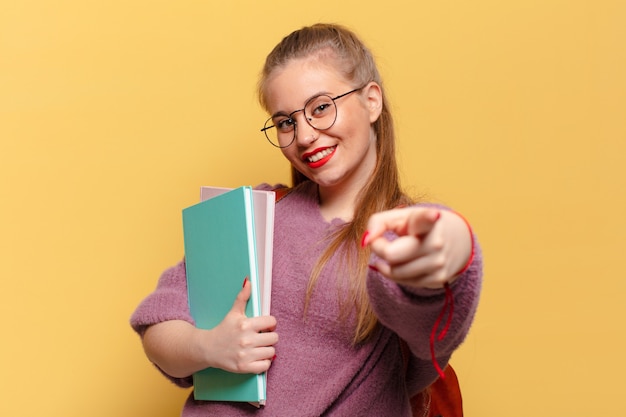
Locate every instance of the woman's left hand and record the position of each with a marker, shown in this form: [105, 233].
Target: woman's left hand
[432, 247]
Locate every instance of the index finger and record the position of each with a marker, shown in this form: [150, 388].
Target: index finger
[415, 221]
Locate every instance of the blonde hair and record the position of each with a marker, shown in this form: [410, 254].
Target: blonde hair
[356, 63]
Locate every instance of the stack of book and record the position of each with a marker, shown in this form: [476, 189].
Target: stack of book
[228, 236]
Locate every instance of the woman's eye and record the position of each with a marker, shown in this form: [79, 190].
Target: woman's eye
[319, 106]
[320, 109]
[285, 125]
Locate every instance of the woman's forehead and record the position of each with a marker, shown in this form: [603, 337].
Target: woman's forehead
[298, 80]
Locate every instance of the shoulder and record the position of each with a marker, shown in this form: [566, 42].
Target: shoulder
[306, 190]
[269, 187]
[280, 190]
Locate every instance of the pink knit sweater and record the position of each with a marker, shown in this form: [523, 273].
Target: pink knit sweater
[318, 372]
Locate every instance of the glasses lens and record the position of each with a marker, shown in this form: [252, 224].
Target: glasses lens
[321, 112]
[280, 133]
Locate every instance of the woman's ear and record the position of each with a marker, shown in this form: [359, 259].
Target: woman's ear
[374, 96]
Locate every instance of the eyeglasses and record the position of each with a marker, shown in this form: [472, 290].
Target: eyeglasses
[320, 112]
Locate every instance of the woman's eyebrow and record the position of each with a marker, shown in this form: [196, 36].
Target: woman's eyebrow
[280, 113]
[284, 113]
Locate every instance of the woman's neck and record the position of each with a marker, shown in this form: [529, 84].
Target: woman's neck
[339, 202]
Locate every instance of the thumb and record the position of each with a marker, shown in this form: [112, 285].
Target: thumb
[239, 306]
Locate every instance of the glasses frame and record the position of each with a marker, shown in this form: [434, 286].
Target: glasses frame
[295, 123]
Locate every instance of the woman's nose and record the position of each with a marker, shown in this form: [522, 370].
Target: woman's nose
[305, 133]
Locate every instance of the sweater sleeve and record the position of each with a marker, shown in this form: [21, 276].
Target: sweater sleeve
[167, 302]
[411, 313]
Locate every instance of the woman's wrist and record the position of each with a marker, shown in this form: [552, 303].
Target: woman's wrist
[470, 258]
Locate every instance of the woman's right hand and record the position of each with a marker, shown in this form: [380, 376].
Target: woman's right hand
[238, 344]
[243, 344]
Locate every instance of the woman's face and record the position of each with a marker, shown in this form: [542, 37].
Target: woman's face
[342, 157]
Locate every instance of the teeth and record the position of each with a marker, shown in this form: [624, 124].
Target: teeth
[321, 154]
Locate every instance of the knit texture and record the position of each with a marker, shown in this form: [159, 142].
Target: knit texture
[318, 372]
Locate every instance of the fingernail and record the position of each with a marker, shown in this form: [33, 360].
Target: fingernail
[373, 268]
[364, 241]
[244, 282]
[273, 358]
[437, 216]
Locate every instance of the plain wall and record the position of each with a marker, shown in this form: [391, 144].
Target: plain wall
[113, 114]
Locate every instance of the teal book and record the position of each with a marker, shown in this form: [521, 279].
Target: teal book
[221, 250]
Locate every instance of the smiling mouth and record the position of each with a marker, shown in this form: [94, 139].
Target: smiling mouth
[320, 155]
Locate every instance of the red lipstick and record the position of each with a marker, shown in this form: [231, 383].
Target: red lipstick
[319, 156]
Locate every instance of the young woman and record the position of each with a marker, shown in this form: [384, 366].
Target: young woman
[362, 275]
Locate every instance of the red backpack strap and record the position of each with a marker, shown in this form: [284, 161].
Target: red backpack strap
[445, 395]
[442, 398]
[282, 192]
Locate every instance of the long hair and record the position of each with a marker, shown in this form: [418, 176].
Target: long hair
[356, 63]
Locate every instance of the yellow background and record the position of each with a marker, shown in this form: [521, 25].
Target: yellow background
[114, 113]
